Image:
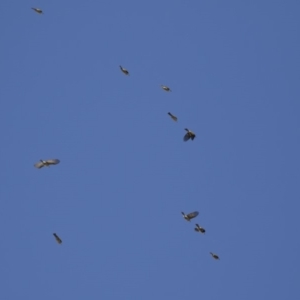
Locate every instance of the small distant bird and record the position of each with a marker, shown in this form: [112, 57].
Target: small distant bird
[172, 116]
[57, 238]
[189, 135]
[124, 70]
[199, 229]
[215, 256]
[47, 163]
[166, 88]
[190, 216]
[38, 10]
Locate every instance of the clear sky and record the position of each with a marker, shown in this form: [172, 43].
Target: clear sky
[126, 174]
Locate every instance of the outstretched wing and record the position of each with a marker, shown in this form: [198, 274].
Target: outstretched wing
[193, 214]
[39, 165]
[186, 137]
[52, 161]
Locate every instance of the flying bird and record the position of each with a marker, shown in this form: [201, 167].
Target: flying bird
[172, 116]
[190, 216]
[189, 135]
[215, 256]
[47, 163]
[165, 88]
[38, 10]
[59, 241]
[124, 70]
[199, 229]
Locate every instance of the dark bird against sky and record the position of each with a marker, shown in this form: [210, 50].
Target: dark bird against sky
[47, 163]
[125, 71]
[166, 88]
[215, 256]
[172, 116]
[38, 10]
[189, 135]
[199, 229]
[57, 238]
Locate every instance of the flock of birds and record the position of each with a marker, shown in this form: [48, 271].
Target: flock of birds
[189, 135]
[198, 228]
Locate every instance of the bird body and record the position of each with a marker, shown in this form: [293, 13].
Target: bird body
[172, 116]
[57, 238]
[47, 163]
[38, 10]
[124, 70]
[166, 88]
[190, 216]
[189, 135]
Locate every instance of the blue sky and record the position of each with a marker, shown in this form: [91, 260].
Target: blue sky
[126, 174]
